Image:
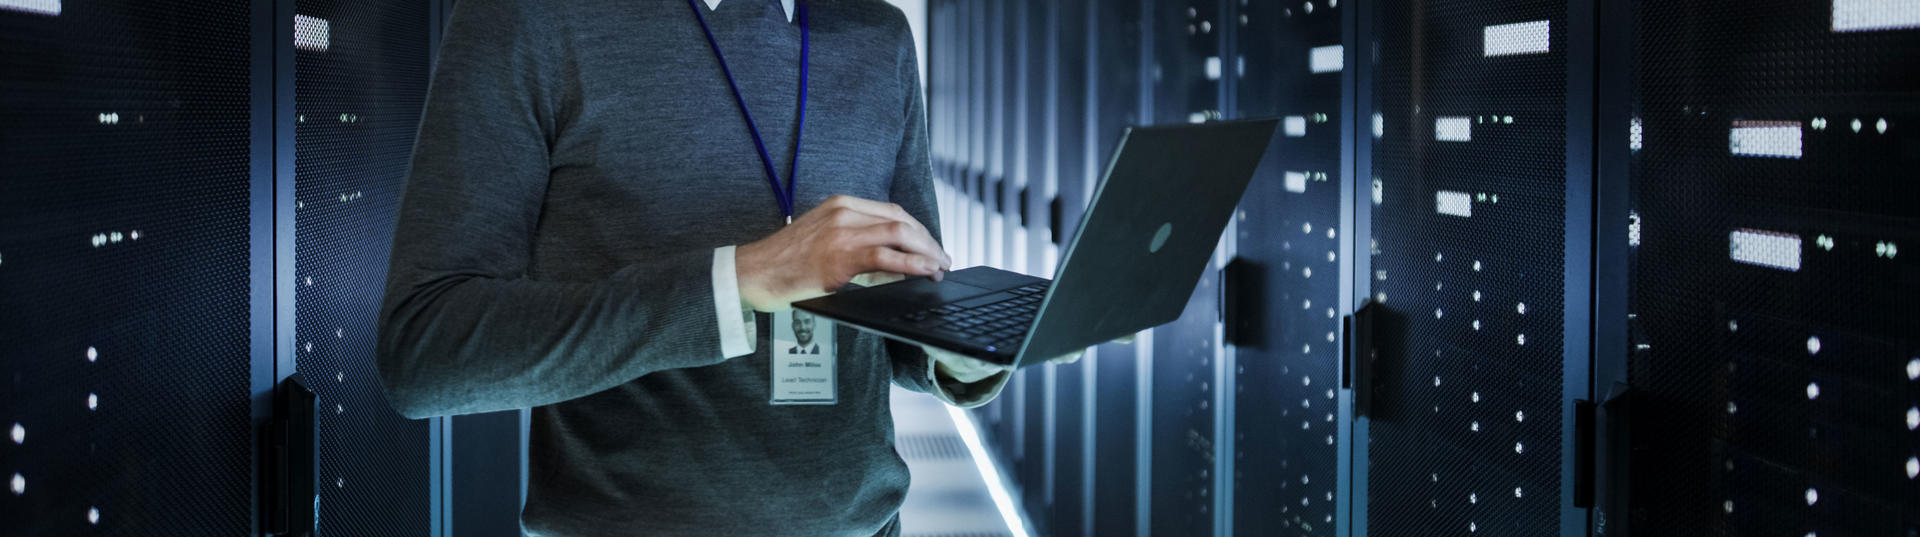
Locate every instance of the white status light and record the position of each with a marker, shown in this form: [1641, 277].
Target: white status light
[1516, 38]
[1453, 129]
[1296, 126]
[1453, 203]
[1296, 182]
[1776, 139]
[312, 34]
[37, 7]
[1327, 59]
[1869, 15]
[1636, 135]
[1764, 248]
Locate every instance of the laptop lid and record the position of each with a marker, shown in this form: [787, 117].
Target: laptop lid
[1148, 233]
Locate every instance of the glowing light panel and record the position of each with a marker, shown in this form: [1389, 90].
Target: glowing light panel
[1454, 203]
[43, 7]
[1327, 59]
[1296, 126]
[1777, 139]
[311, 34]
[1868, 15]
[1296, 182]
[1764, 248]
[1516, 38]
[1453, 129]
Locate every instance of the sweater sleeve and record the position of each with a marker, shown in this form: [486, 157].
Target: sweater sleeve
[462, 327]
[912, 189]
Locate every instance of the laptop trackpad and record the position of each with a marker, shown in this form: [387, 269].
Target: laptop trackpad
[925, 292]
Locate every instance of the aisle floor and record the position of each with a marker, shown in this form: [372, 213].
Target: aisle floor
[948, 497]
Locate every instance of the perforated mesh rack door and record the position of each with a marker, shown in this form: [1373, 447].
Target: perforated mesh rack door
[1772, 187]
[1467, 257]
[124, 323]
[1287, 434]
[1183, 432]
[358, 101]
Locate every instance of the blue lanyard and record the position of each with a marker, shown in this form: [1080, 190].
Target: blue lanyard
[783, 196]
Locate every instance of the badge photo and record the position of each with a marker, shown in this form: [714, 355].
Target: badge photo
[804, 364]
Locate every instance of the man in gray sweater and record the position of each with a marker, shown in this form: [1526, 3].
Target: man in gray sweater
[589, 230]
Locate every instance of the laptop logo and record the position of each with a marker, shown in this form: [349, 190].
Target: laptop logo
[1160, 238]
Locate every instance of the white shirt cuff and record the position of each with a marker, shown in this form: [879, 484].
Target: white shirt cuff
[737, 326]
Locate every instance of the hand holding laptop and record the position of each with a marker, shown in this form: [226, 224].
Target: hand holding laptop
[1149, 230]
[968, 370]
[829, 246]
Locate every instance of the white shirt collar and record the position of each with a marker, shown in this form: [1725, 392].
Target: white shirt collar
[784, 4]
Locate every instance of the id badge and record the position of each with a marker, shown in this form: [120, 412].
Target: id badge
[803, 360]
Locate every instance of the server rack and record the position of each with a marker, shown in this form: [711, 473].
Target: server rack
[216, 223]
[989, 234]
[1032, 117]
[1766, 152]
[1182, 57]
[1073, 451]
[1290, 278]
[357, 99]
[1004, 234]
[1477, 261]
[1121, 395]
[127, 261]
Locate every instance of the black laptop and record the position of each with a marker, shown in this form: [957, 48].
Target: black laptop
[1141, 247]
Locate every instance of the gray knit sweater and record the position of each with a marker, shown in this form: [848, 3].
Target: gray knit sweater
[578, 162]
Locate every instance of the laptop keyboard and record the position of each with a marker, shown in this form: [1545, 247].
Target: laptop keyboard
[998, 321]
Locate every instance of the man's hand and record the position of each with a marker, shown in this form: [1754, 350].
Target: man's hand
[828, 246]
[968, 370]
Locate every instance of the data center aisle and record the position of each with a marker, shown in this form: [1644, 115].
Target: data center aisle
[948, 497]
